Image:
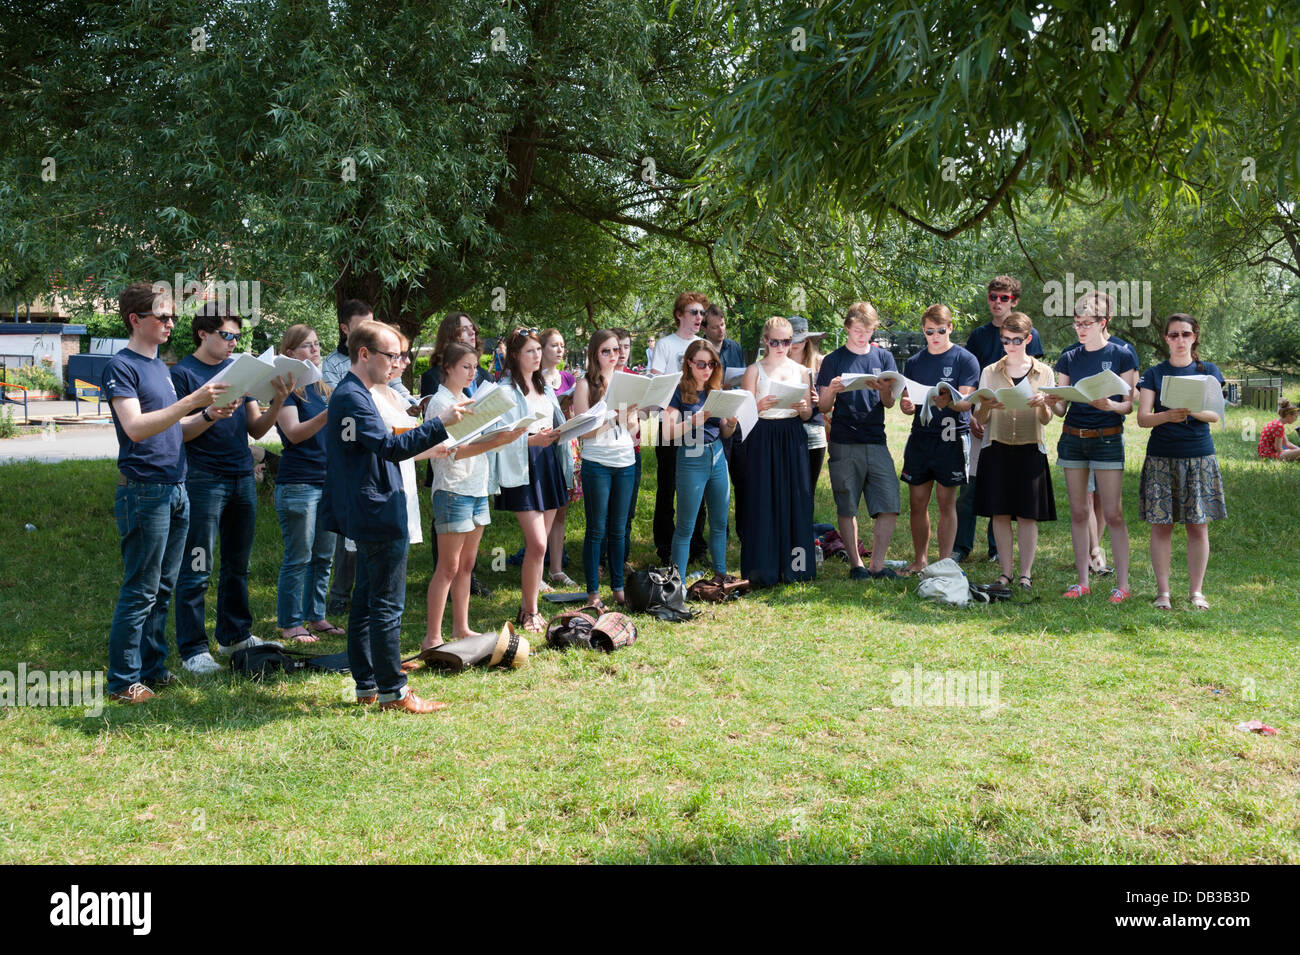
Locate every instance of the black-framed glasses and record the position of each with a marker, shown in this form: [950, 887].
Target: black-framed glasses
[229, 336]
[704, 365]
[390, 355]
[1014, 341]
[162, 319]
[780, 342]
[1079, 324]
[935, 331]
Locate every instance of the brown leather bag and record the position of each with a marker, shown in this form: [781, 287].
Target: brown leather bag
[719, 589]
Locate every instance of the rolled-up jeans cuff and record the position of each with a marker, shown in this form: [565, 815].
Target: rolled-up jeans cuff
[393, 697]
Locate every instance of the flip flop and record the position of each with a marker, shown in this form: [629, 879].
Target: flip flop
[329, 630]
[298, 634]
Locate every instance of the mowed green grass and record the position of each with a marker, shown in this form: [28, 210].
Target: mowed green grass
[767, 730]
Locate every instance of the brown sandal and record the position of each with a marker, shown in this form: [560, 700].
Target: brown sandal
[533, 622]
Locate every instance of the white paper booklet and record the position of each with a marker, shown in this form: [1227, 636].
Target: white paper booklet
[858, 382]
[491, 401]
[733, 404]
[1014, 399]
[627, 389]
[251, 375]
[583, 424]
[928, 406]
[787, 395]
[1194, 392]
[1104, 384]
[731, 377]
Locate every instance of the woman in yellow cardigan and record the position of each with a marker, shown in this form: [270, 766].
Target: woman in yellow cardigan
[1014, 482]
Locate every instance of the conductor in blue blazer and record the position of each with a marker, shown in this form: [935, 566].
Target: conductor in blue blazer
[364, 500]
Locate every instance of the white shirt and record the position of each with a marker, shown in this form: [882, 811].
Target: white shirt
[468, 477]
[398, 420]
[669, 352]
[788, 372]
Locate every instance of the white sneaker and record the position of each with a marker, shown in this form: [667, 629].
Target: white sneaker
[202, 663]
[247, 642]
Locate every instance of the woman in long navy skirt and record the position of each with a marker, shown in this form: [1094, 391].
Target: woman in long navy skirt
[776, 541]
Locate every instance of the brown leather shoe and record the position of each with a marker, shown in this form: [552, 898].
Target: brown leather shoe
[368, 698]
[135, 693]
[413, 704]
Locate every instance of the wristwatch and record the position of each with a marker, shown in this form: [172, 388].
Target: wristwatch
[206, 417]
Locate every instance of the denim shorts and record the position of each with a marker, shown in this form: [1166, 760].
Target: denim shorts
[1100, 454]
[458, 513]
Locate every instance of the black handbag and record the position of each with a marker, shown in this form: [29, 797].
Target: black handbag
[658, 592]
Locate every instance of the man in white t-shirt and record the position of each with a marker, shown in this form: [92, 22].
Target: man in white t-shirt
[688, 312]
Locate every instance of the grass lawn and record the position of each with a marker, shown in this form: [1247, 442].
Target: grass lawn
[767, 730]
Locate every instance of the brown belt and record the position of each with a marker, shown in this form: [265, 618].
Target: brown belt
[121, 480]
[1092, 432]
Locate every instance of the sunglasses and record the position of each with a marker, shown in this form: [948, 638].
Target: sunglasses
[1001, 297]
[609, 352]
[780, 342]
[935, 331]
[704, 365]
[524, 331]
[695, 311]
[162, 319]
[1174, 336]
[1014, 341]
[229, 336]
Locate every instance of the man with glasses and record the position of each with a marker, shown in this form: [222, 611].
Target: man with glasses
[364, 500]
[937, 447]
[222, 493]
[669, 350]
[351, 314]
[985, 343]
[151, 506]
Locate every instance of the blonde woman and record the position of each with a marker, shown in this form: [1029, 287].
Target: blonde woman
[776, 540]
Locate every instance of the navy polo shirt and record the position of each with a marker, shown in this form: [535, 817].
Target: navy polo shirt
[155, 460]
[303, 463]
[858, 416]
[956, 366]
[223, 448]
[1185, 439]
[1079, 363]
[985, 343]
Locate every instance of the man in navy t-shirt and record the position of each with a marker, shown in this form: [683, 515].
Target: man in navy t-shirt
[857, 455]
[937, 447]
[151, 507]
[223, 496]
[985, 343]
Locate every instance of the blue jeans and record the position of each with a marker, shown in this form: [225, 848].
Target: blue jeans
[308, 550]
[701, 475]
[152, 520]
[375, 619]
[224, 508]
[606, 496]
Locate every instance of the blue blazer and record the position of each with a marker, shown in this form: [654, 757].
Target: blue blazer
[508, 465]
[363, 497]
